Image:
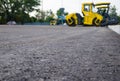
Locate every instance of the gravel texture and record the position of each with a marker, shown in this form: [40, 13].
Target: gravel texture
[59, 53]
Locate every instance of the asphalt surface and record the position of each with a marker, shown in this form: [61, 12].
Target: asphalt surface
[59, 53]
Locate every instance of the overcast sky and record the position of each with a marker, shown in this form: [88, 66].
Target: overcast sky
[73, 5]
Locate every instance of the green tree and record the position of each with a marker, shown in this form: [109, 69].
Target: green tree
[119, 19]
[49, 16]
[113, 11]
[40, 15]
[60, 12]
[33, 19]
[66, 13]
[12, 7]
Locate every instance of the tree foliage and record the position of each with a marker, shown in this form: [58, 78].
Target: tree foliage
[49, 16]
[119, 19]
[10, 9]
[113, 11]
[61, 12]
[40, 15]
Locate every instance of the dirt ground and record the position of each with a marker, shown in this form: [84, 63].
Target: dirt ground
[59, 53]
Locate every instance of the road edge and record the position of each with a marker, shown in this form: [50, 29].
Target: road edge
[115, 28]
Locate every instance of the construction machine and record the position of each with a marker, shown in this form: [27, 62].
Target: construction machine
[103, 9]
[60, 19]
[90, 16]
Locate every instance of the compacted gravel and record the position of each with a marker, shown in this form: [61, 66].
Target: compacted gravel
[59, 53]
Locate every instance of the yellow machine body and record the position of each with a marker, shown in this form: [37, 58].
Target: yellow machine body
[89, 16]
[53, 22]
[71, 19]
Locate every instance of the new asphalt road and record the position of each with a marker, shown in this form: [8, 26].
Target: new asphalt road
[59, 53]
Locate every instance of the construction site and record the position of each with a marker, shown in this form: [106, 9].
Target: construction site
[77, 47]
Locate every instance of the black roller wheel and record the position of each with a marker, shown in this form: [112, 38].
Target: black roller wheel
[72, 24]
[96, 22]
[104, 22]
[79, 18]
